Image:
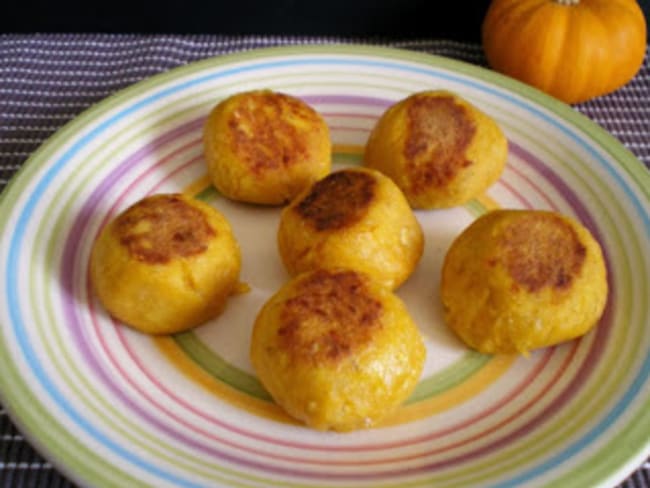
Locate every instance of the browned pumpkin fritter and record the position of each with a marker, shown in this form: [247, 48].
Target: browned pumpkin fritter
[517, 280]
[438, 148]
[353, 218]
[336, 350]
[165, 264]
[264, 147]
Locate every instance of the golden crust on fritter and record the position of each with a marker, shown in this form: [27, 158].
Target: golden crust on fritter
[161, 228]
[354, 218]
[264, 147]
[542, 250]
[165, 264]
[336, 350]
[340, 200]
[517, 280]
[328, 319]
[439, 149]
[439, 132]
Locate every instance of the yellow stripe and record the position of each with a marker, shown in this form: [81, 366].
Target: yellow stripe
[408, 413]
[488, 202]
[189, 368]
[197, 186]
[487, 375]
[347, 149]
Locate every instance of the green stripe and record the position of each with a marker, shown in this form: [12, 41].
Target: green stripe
[475, 208]
[608, 460]
[213, 364]
[346, 158]
[449, 377]
[63, 448]
[209, 193]
[218, 368]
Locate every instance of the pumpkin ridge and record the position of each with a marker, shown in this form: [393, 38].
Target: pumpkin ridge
[578, 54]
[619, 69]
[612, 68]
[556, 23]
[536, 32]
[624, 69]
[510, 17]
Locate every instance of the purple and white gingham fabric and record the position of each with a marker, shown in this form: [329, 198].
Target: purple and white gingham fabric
[46, 80]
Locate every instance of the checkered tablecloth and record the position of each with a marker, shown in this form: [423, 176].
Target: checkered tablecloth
[48, 79]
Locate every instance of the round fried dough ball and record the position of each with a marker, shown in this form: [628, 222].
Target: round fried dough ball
[439, 149]
[354, 218]
[336, 350]
[517, 280]
[166, 264]
[265, 147]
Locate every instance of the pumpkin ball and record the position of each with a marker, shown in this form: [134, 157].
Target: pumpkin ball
[265, 147]
[438, 148]
[353, 218]
[517, 280]
[166, 264]
[336, 350]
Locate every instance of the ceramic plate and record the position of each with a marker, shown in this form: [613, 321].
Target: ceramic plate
[111, 407]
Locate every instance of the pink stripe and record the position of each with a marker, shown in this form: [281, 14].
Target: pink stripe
[180, 169]
[348, 115]
[537, 188]
[517, 194]
[123, 196]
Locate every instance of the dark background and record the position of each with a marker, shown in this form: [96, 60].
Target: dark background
[439, 19]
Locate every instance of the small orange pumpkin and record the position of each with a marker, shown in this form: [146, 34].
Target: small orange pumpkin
[572, 49]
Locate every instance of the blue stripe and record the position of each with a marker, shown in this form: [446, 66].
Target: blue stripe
[11, 282]
[591, 436]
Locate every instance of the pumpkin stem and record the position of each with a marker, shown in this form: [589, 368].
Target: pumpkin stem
[568, 2]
